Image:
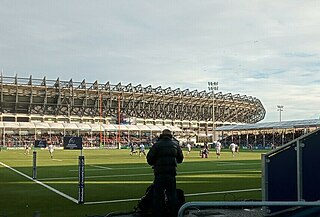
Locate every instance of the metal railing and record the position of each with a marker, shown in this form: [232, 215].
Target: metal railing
[245, 204]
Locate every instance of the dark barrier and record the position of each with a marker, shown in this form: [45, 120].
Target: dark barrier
[290, 173]
[282, 177]
[310, 168]
[72, 142]
[34, 165]
[40, 143]
[81, 180]
[75, 143]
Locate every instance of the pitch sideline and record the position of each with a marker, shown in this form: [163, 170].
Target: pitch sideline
[41, 183]
[141, 174]
[122, 200]
[186, 195]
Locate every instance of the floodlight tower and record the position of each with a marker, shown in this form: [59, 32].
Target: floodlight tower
[212, 86]
[280, 109]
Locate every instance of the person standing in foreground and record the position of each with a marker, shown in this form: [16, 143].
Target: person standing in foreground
[164, 156]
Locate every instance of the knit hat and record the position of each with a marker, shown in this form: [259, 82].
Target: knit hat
[166, 132]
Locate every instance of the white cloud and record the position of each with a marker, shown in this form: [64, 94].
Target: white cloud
[266, 49]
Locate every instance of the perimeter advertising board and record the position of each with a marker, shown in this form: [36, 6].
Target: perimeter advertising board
[72, 143]
[40, 143]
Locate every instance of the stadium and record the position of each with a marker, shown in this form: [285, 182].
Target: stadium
[107, 117]
[98, 107]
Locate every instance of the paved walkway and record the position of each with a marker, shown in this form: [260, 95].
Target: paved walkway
[256, 212]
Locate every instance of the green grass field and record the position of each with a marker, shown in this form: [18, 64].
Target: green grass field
[115, 180]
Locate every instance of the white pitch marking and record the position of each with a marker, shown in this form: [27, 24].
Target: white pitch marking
[211, 171]
[186, 195]
[111, 201]
[110, 168]
[56, 159]
[92, 177]
[41, 183]
[233, 163]
[134, 168]
[21, 160]
[141, 174]
[223, 192]
[101, 167]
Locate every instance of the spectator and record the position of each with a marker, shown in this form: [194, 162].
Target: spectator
[163, 157]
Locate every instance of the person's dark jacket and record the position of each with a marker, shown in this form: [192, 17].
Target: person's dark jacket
[164, 155]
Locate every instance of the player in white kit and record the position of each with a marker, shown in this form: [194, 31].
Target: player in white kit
[218, 149]
[233, 148]
[51, 149]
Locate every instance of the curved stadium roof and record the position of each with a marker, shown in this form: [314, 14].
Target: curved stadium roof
[83, 126]
[272, 125]
[29, 96]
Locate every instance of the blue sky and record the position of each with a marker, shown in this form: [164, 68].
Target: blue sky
[266, 49]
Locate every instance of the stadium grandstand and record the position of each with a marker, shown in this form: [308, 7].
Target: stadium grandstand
[266, 134]
[40, 107]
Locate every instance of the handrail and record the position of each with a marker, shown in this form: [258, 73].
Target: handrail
[245, 203]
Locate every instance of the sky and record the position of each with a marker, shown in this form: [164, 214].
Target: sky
[266, 49]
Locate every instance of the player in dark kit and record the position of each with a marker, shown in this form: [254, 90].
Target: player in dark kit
[27, 149]
[132, 148]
